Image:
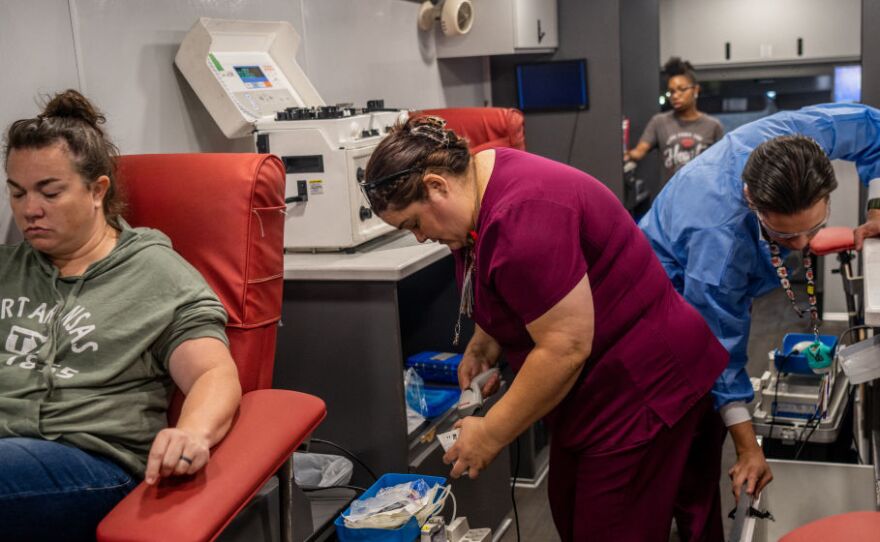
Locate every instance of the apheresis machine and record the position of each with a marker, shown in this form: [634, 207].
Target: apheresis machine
[246, 75]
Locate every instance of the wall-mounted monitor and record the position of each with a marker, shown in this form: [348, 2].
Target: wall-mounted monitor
[557, 85]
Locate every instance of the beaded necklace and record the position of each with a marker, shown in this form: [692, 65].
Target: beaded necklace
[782, 273]
[466, 302]
[819, 355]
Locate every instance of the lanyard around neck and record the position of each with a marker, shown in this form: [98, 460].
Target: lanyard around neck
[783, 274]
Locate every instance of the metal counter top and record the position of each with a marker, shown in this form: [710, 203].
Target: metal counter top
[390, 258]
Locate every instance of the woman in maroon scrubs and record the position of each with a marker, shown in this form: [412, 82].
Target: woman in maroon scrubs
[561, 280]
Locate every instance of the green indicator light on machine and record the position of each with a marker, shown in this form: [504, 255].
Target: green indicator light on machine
[215, 62]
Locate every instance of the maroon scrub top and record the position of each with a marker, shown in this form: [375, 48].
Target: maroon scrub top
[541, 226]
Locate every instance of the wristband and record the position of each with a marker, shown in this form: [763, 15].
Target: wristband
[873, 194]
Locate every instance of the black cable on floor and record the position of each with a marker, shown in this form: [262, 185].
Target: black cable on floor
[804, 443]
[816, 421]
[513, 489]
[355, 458]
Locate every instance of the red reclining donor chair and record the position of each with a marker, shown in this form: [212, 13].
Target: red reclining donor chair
[484, 127]
[223, 213]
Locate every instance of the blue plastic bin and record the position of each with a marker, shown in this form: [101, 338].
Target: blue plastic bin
[439, 400]
[410, 530]
[786, 362]
[436, 366]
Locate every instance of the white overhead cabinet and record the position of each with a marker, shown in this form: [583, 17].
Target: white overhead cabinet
[503, 27]
[722, 32]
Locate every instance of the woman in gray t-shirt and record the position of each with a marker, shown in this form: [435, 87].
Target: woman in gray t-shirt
[684, 132]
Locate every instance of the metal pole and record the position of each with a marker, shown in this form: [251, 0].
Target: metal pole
[285, 493]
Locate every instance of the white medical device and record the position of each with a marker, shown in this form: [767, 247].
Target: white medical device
[871, 284]
[246, 75]
[871, 266]
[472, 398]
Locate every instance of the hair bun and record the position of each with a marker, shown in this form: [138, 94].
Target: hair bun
[676, 66]
[73, 105]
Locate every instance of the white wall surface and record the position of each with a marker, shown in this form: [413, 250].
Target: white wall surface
[352, 50]
[30, 66]
[359, 50]
[127, 51]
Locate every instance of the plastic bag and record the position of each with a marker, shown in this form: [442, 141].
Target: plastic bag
[414, 420]
[415, 394]
[404, 496]
[321, 470]
[393, 506]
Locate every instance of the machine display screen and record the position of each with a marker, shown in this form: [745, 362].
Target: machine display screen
[556, 85]
[252, 76]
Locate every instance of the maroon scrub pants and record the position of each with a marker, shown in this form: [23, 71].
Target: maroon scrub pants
[632, 493]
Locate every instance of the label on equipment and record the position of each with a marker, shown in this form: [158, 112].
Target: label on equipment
[316, 187]
[215, 62]
[448, 438]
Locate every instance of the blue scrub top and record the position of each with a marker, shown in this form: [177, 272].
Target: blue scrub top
[709, 241]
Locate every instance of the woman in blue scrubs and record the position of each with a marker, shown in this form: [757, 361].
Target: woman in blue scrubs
[723, 224]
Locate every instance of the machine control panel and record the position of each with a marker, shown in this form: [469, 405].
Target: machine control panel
[312, 113]
[245, 71]
[246, 74]
[330, 112]
[254, 82]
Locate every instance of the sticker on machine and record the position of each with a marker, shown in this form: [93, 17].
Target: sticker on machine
[316, 187]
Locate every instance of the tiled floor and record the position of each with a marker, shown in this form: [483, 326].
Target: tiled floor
[772, 317]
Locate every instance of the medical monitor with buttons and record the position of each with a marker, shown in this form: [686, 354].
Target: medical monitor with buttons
[246, 75]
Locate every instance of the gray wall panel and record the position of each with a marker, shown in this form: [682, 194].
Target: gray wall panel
[592, 140]
[870, 53]
[640, 77]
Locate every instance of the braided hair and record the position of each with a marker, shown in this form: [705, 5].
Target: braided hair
[393, 178]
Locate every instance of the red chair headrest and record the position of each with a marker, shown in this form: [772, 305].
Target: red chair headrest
[215, 207]
[831, 240]
[484, 127]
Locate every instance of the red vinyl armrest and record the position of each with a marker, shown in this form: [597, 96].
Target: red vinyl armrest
[831, 240]
[851, 526]
[269, 426]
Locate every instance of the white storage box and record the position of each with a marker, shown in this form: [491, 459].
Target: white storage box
[861, 361]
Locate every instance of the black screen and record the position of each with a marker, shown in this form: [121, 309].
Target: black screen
[556, 85]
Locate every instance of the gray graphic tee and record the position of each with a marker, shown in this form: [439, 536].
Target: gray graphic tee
[680, 141]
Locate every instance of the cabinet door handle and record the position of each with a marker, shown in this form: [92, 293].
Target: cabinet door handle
[540, 33]
[726, 50]
[800, 46]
